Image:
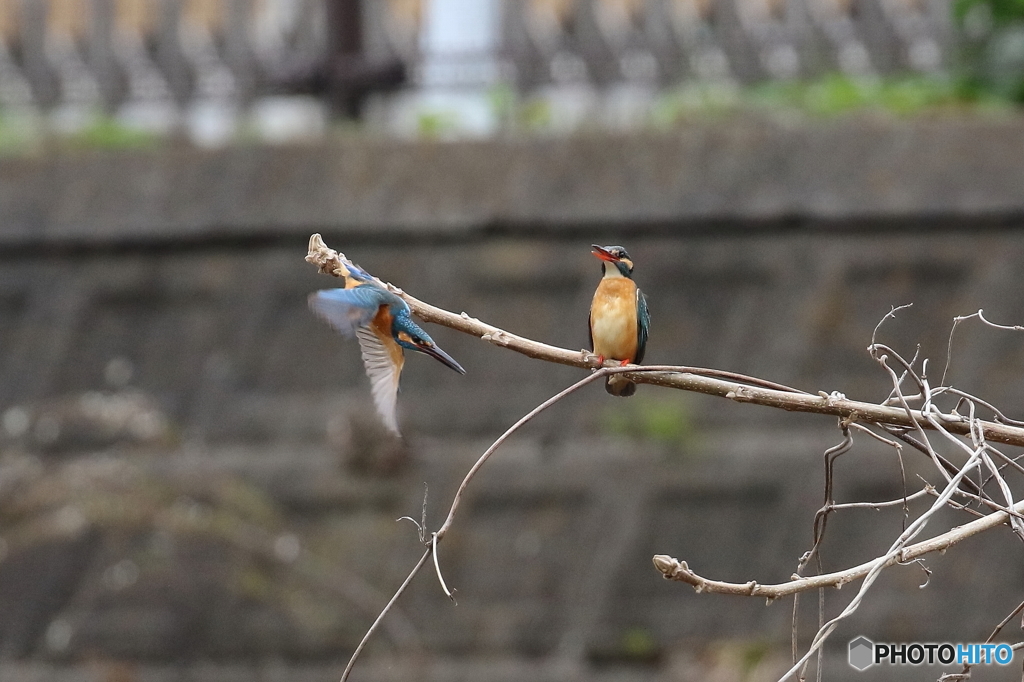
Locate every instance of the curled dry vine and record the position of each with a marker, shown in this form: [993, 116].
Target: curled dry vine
[909, 415]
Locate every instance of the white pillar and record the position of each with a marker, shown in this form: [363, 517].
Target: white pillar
[459, 42]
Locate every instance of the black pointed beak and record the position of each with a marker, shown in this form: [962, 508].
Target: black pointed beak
[601, 253]
[439, 355]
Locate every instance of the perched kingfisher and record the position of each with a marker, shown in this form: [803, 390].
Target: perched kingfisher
[382, 323]
[618, 316]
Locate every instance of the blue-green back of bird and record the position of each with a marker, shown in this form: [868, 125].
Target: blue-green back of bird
[643, 325]
[349, 309]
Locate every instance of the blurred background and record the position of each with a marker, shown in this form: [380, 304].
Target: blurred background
[220, 71]
[193, 482]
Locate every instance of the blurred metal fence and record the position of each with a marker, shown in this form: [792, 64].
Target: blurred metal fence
[749, 40]
[113, 51]
[152, 62]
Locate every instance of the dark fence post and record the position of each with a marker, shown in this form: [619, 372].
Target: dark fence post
[345, 76]
[344, 52]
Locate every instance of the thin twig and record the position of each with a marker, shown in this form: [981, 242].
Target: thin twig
[961, 318]
[889, 503]
[965, 674]
[899, 458]
[1009, 617]
[999, 416]
[438, 535]
[512, 429]
[1009, 461]
[818, 534]
[980, 450]
[994, 506]
[948, 466]
[384, 612]
[821, 517]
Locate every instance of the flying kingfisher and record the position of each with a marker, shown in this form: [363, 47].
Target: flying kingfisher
[618, 317]
[382, 323]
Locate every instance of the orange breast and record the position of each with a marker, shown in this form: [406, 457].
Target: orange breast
[381, 326]
[613, 324]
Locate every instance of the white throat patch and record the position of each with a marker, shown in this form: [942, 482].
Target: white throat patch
[611, 269]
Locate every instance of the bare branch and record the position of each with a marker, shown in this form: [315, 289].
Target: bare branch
[693, 379]
[674, 569]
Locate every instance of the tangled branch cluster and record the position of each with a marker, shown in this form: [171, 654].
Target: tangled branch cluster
[912, 392]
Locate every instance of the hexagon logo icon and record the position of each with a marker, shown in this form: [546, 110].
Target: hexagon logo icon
[862, 652]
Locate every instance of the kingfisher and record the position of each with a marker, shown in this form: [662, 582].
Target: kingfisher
[619, 320]
[382, 323]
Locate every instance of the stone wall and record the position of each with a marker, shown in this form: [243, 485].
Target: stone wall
[742, 175]
[194, 483]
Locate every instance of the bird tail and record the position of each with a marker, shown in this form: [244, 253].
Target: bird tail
[617, 385]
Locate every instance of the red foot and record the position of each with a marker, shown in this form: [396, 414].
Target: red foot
[600, 359]
[623, 363]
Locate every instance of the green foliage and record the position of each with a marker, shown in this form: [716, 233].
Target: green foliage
[1000, 13]
[829, 95]
[638, 644]
[434, 125]
[836, 94]
[663, 419]
[107, 133]
[991, 57]
[22, 134]
[17, 135]
[753, 653]
[695, 99]
[534, 114]
[502, 99]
